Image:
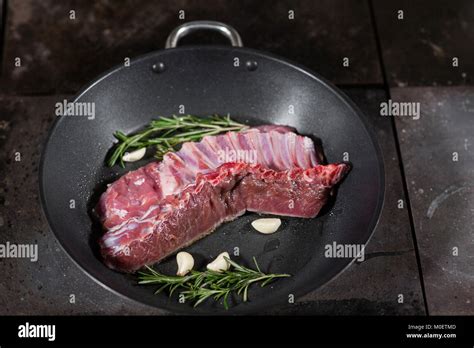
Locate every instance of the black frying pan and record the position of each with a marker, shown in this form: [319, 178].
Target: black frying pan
[253, 87]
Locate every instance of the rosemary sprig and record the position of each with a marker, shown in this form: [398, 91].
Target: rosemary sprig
[199, 286]
[167, 133]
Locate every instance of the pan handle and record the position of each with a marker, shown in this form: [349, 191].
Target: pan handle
[186, 28]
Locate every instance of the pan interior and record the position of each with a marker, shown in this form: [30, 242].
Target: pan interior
[203, 81]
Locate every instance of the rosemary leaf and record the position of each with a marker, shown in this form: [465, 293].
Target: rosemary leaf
[198, 286]
[168, 133]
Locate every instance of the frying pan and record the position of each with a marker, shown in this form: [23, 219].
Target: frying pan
[252, 87]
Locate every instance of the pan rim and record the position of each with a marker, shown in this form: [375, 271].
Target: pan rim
[375, 219]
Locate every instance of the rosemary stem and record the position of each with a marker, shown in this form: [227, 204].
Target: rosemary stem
[199, 286]
[172, 132]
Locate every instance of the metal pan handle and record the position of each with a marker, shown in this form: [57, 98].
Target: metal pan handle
[186, 28]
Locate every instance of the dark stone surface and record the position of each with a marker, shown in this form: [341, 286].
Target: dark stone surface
[418, 50]
[44, 287]
[59, 54]
[441, 191]
[2, 13]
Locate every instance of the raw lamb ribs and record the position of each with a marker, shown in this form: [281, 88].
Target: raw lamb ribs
[162, 207]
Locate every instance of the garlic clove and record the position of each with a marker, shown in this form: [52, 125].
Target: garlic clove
[266, 225]
[220, 263]
[185, 263]
[134, 155]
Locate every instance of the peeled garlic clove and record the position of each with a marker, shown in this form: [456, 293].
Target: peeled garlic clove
[134, 155]
[266, 225]
[220, 264]
[185, 263]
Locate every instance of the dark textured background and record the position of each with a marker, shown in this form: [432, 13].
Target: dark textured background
[409, 60]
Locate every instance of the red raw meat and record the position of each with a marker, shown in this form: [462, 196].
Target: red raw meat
[139, 193]
[215, 198]
[164, 206]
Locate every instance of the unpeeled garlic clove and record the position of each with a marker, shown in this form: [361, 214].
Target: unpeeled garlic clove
[220, 263]
[134, 155]
[266, 225]
[185, 263]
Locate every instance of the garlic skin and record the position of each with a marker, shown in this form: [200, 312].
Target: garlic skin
[266, 225]
[219, 264]
[185, 263]
[134, 155]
